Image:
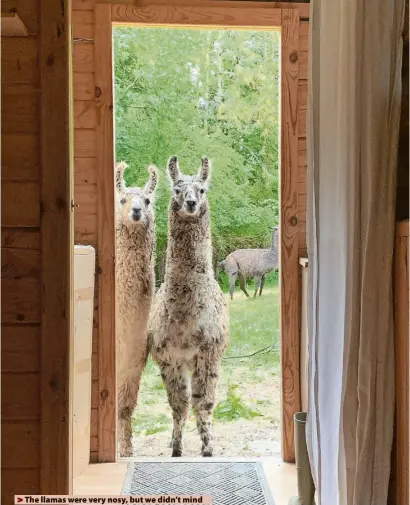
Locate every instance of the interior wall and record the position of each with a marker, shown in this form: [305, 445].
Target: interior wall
[35, 252]
[20, 256]
[85, 152]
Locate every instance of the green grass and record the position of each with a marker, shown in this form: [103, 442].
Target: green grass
[245, 388]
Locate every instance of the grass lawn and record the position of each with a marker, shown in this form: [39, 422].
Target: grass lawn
[248, 390]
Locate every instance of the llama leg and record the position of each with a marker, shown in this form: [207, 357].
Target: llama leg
[204, 382]
[243, 285]
[257, 285]
[127, 399]
[262, 284]
[232, 280]
[176, 383]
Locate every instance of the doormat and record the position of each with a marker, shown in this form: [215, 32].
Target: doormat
[229, 483]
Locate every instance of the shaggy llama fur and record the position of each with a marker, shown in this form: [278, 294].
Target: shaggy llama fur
[188, 328]
[135, 242]
[247, 263]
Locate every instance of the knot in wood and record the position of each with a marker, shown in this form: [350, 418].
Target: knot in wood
[293, 221]
[293, 57]
[97, 92]
[104, 394]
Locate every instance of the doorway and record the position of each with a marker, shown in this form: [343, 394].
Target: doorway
[212, 16]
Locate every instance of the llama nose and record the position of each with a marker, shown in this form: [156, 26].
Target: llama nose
[191, 204]
[136, 213]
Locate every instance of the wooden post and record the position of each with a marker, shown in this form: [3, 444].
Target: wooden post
[57, 248]
[289, 267]
[107, 401]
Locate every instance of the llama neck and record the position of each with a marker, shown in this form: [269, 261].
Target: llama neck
[189, 242]
[137, 240]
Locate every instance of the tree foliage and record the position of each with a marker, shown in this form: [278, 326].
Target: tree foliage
[195, 92]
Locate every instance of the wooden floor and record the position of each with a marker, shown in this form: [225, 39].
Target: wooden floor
[108, 478]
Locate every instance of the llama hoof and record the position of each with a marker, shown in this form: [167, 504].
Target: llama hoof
[126, 453]
[176, 453]
[207, 453]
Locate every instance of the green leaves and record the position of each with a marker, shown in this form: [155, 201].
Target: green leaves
[196, 92]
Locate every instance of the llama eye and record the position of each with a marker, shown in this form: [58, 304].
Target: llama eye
[202, 191]
[177, 191]
[122, 201]
[147, 201]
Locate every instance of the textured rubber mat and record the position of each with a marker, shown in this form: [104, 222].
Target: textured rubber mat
[229, 483]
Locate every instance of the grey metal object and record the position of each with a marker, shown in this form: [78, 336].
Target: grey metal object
[229, 483]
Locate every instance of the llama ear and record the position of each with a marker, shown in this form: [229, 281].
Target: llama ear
[153, 180]
[119, 175]
[205, 171]
[173, 169]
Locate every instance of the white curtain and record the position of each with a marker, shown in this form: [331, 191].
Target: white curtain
[353, 122]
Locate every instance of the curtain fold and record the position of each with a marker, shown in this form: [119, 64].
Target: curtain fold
[353, 128]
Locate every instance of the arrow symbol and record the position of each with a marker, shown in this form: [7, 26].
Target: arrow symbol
[19, 500]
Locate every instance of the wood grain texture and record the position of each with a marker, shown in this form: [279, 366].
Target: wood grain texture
[85, 170]
[83, 57]
[20, 108]
[211, 16]
[12, 25]
[85, 114]
[400, 488]
[86, 229]
[20, 263]
[20, 444]
[106, 236]
[85, 143]
[86, 197]
[20, 348]
[27, 10]
[19, 60]
[20, 238]
[84, 86]
[20, 157]
[57, 248]
[20, 204]
[20, 395]
[289, 278]
[24, 481]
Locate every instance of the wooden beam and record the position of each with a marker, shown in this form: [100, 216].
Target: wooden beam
[289, 270]
[107, 401]
[12, 25]
[57, 248]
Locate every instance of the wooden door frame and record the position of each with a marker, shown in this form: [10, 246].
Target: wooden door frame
[213, 14]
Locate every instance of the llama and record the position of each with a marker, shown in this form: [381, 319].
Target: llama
[256, 263]
[135, 242]
[188, 329]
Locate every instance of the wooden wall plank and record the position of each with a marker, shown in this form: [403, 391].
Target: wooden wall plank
[303, 65]
[20, 348]
[400, 453]
[84, 86]
[83, 57]
[57, 247]
[289, 267]
[20, 204]
[302, 95]
[25, 481]
[83, 33]
[27, 10]
[20, 157]
[213, 15]
[19, 60]
[85, 114]
[85, 143]
[20, 444]
[20, 263]
[85, 170]
[20, 109]
[82, 17]
[86, 229]
[20, 395]
[107, 450]
[20, 301]
[86, 198]
[24, 238]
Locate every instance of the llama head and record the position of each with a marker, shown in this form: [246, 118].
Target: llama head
[189, 191]
[135, 205]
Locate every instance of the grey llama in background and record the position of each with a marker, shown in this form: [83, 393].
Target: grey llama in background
[247, 263]
[188, 328]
